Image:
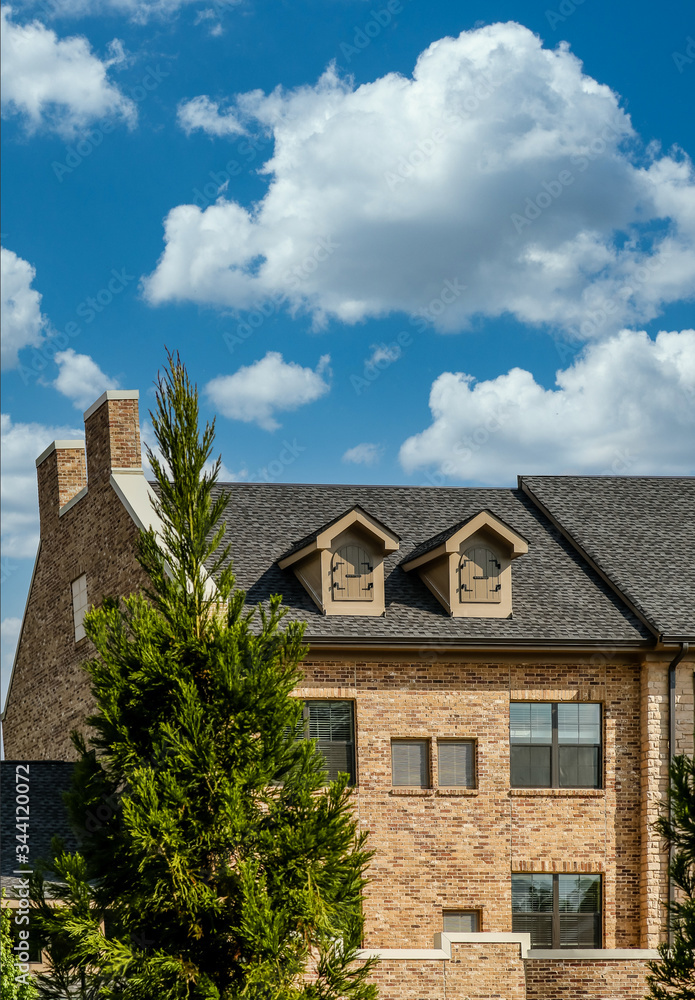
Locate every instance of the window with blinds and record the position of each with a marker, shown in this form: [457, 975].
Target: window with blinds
[479, 576]
[460, 921]
[352, 574]
[555, 745]
[410, 763]
[456, 763]
[332, 725]
[558, 911]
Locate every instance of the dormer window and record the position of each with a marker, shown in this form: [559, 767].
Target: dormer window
[341, 565]
[352, 574]
[468, 567]
[479, 576]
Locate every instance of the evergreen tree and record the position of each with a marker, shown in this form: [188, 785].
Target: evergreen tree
[673, 977]
[214, 860]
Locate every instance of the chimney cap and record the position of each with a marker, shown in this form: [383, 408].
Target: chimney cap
[58, 446]
[111, 394]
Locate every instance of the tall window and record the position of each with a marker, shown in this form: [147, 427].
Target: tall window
[555, 745]
[79, 605]
[479, 576]
[558, 911]
[332, 725]
[352, 571]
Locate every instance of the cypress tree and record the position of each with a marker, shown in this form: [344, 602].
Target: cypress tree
[214, 860]
[673, 976]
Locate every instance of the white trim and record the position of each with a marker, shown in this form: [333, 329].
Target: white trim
[137, 496]
[59, 446]
[71, 503]
[595, 954]
[444, 941]
[21, 630]
[111, 394]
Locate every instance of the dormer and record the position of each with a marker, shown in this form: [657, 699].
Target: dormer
[341, 565]
[468, 567]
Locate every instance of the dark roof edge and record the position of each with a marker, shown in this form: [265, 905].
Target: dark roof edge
[605, 645]
[651, 625]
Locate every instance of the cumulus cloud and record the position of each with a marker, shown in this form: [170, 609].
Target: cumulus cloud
[254, 393]
[202, 114]
[80, 378]
[21, 446]
[20, 310]
[625, 405]
[366, 453]
[58, 84]
[499, 169]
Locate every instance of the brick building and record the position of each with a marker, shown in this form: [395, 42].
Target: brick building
[504, 672]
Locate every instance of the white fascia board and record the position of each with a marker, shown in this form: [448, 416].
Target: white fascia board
[137, 496]
[443, 943]
[21, 630]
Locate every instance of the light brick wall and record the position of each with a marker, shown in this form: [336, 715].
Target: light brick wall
[574, 979]
[437, 849]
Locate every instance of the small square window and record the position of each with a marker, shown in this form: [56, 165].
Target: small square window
[79, 605]
[410, 763]
[461, 921]
[456, 763]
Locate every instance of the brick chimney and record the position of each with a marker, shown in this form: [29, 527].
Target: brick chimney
[112, 430]
[61, 472]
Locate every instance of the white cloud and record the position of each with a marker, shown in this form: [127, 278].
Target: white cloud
[624, 406]
[21, 446]
[21, 318]
[58, 84]
[202, 114]
[387, 196]
[9, 635]
[366, 453]
[80, 378]
[254, 393]
[383, 355]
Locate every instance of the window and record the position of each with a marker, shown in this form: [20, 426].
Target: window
[410, 763]
[555, 746]
[460, 921]
[331, 724]
[456, 763]
[79, 605]
[558, 911]
[479, 576]
[352, 572]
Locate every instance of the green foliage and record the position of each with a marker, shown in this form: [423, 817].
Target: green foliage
[16, 984]
[673, 977]
[214, 863]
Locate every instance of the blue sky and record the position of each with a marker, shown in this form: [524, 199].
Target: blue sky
[394, 242]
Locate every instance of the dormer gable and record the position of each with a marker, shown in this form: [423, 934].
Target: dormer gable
[468, 566]
[341, 564]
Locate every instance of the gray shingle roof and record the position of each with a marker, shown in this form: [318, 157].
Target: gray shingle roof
[640, 531]
[556, 597]
[48, 779]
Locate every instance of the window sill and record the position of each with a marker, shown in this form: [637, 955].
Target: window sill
[410, 790]
[558, 793]
[454, 791]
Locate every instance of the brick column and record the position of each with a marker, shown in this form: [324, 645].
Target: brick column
[654, 780]
[112, 431]
[61, 474]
